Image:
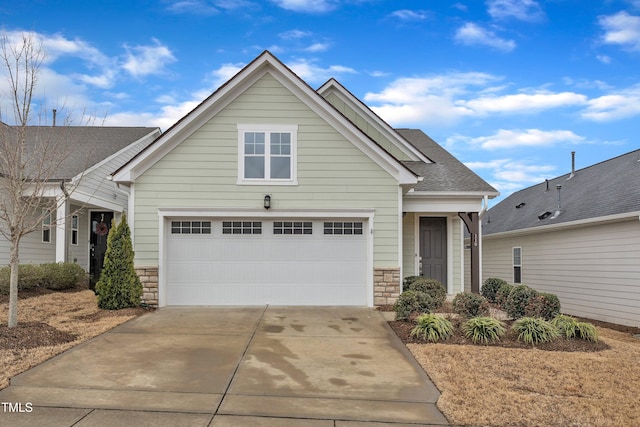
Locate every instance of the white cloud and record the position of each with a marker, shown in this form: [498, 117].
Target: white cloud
[311, 73]
[410, 15]
[514, 138]
[508, 175]
[621, 29]
[195, 7]
[317, 47]
[605, 59]
[295, 34]
[523, 10]
[617, 105]
[524, 102]
[147, 60]
[310, 6]
[224, 73]
[471, 34]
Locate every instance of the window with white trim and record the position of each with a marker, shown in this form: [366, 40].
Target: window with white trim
[343, 228]
[517, 265]
[74, 229]
[267, 154]
[190, 227]
[46, 227]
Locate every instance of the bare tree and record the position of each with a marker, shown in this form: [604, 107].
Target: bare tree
[28, 157]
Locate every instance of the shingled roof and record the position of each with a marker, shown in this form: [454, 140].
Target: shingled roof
[83, 146]
[608, 188]
[446, 173]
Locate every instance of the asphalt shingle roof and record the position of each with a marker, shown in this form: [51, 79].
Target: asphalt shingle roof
[83, 146]
[446, 173]
[607, 188]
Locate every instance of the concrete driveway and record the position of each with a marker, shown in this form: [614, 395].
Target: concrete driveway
[219, 366]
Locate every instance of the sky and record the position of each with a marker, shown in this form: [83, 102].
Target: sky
[510, 87]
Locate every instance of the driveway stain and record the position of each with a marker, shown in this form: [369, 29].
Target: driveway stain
[299, 328]
[274, 329]
[338, 381]
[357, 356]
[336, 328]
[350, 319]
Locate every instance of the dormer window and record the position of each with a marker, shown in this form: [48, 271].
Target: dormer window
[267, 154]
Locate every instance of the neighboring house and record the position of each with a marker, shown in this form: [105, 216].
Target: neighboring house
[76, 231]
[580, 241]
[270, 192]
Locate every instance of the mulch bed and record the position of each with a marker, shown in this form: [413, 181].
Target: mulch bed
[32, 335]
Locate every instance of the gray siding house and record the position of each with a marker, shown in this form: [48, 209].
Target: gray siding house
[577, 236]
[76, 231]
[271, 192]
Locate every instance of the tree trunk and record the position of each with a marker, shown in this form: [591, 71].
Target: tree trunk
[14, 262]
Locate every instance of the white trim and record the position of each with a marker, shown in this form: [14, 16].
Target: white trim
[165, 215]
[46, 226]
[76, 229]
[267, 129]
[450, 289]
[513, 265]
[400, 237]
[462, 269]
[84, 198]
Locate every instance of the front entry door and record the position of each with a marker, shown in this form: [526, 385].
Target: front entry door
[100, 226]
[433, 249]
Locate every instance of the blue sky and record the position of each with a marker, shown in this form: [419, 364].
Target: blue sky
[510, 87]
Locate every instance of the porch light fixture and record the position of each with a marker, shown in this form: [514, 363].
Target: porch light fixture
[267, 201]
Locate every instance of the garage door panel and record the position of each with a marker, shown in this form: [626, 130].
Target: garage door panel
[223, 269]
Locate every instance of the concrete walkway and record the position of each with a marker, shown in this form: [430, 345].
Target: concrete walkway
[250, 366]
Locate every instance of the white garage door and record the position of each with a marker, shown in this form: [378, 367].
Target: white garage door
[257, 261]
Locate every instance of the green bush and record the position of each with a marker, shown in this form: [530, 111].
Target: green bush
[55, 276]
[408, 281]
[119, 285]
[534, 330]
[517, 300]
[490, 288]
[432, 287]
[410, 302]
[571, 328]
[543, 305]
[431, 327]
[483, 329]
[468, 304]
[503, 293]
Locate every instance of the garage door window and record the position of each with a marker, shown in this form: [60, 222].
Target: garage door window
[342, 228]
[190, 227]
[241, 227]
[292, 227]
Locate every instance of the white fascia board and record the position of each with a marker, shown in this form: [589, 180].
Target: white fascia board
[467, 194]
[628, 216]
[263, 213]
[88, 199]
[380, 125]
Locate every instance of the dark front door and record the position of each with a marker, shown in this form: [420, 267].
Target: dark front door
[433, 248]
[100, 226]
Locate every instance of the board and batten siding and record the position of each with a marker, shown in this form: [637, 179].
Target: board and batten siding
[594, 270]
[203, 172]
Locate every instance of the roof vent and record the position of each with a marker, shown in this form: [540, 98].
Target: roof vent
[573, 165]
[520, 205]
[544, 215]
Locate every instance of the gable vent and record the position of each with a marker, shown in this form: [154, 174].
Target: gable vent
[520, 205]
[544, 215]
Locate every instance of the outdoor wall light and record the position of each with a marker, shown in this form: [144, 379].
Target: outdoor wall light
[267, 201]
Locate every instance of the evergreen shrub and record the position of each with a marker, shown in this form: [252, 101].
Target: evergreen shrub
[490, 288]
[518, 300]
[469, 305]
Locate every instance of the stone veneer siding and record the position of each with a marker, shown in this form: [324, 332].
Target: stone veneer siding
[386, 285]
[149, 278]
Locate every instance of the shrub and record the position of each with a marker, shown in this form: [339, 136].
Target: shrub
[432, 287]
[119, 285]
[468, 305]
[543, 305]
[406, 283]
[483, 329]
[503, 293]
[517, 300]
[490, 288]
[431, 327]
[534, 330]
[410, 302]
[571, 328]
[51, 276]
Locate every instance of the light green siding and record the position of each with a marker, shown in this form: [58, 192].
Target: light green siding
[203, 172]
[364, 125]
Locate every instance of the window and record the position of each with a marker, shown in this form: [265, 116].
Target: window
[74, 229]
[46, 227]
[267, 154]
[241, 227]
[190, 227]
[343, 228]
[292, 227]
[517, 265]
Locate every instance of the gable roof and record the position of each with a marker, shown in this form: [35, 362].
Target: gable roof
[83, 146]
[223, 96]
[611, 187]
[445, 173]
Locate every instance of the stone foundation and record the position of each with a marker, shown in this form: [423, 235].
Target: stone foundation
[386, 285]
[149, 278]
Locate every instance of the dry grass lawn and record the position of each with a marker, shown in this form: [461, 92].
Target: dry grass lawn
[71, 315]
[495, 386]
